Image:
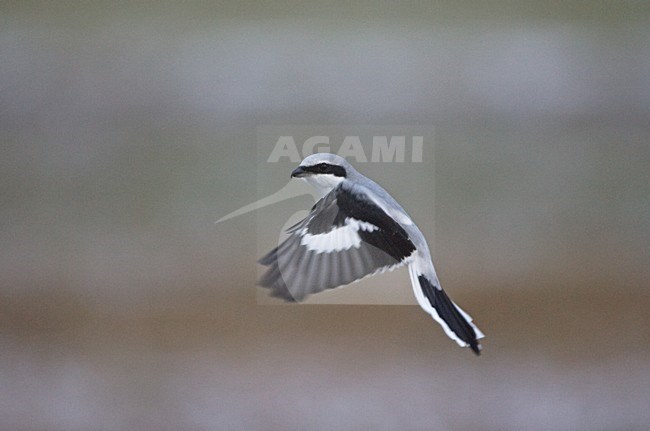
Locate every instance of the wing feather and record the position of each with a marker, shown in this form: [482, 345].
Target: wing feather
[344, 238]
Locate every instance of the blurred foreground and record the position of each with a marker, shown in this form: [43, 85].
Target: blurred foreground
[557, 357]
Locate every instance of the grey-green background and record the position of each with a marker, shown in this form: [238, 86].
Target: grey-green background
[128, 128]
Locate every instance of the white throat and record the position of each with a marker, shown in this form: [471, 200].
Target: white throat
[323, 183]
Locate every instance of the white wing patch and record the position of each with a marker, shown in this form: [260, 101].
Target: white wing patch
[338, 239]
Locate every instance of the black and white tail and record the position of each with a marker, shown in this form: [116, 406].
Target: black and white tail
[456, 323]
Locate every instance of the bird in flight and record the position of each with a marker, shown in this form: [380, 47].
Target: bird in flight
[357, 229]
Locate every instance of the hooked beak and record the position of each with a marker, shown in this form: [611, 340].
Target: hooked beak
[298, 172]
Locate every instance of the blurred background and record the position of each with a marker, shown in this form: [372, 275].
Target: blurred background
[127, 129]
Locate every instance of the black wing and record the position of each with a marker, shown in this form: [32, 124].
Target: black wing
[344, 238]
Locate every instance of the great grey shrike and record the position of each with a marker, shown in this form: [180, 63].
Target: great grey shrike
[357, 229]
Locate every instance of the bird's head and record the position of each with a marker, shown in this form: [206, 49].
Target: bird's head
[324, 171]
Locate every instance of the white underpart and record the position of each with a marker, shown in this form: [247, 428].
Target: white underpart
[323, 183]
[414, 272]
[338, 239]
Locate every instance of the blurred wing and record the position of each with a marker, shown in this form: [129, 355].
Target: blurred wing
[344, 238]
